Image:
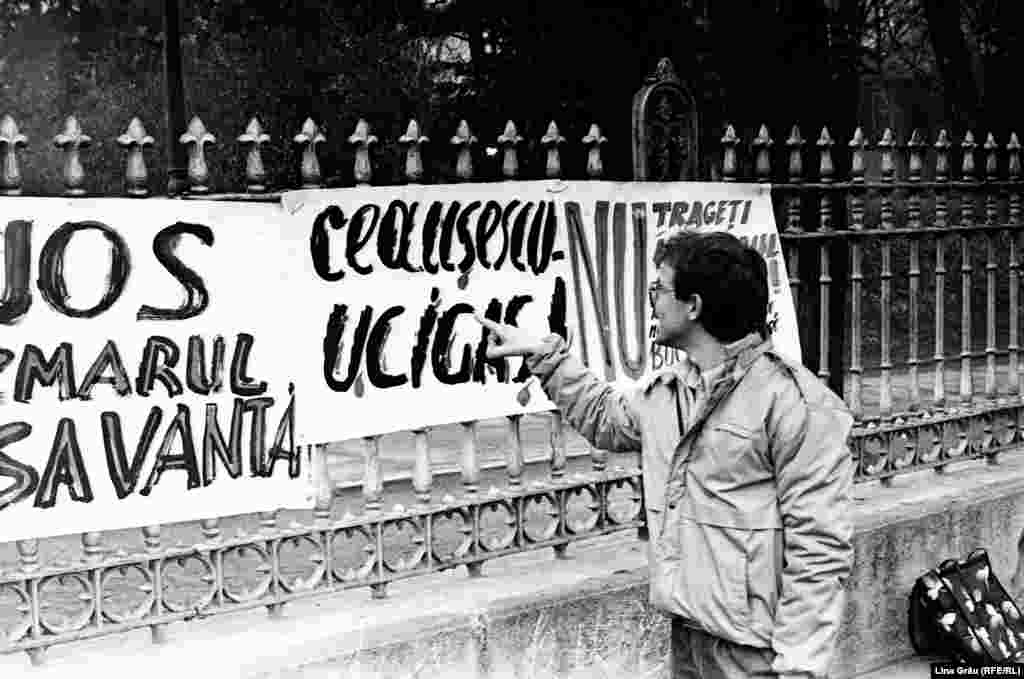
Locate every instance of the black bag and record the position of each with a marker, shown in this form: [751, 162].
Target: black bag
[960, 610]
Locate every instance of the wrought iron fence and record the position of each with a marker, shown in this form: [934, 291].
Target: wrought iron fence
[872, 261]
[116, 584]
[861, 253]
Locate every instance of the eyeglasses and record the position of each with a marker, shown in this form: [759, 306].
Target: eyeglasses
[655, 289]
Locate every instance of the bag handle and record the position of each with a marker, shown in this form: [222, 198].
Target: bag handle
[955, 565]
[977, 554]
[948, 566]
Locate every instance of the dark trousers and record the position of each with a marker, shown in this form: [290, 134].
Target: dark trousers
[699, 655]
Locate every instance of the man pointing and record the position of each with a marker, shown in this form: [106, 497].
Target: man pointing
[746, 470]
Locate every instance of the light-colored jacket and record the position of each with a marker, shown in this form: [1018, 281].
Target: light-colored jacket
[748, 505]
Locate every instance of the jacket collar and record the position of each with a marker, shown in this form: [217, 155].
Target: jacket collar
[739, 356]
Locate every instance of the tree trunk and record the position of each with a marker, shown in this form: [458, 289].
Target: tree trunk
[963, 104]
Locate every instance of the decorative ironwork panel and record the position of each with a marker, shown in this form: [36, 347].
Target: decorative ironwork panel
[665, 129]
[42, 605]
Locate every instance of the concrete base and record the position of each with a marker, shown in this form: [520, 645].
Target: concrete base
[912, 668]
[908, 527]
[534, 616]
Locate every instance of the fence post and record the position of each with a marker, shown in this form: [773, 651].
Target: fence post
[942, 175]
[665, 129]
[838, 251]
[858, 146]
[796, 253]
[1013, 170]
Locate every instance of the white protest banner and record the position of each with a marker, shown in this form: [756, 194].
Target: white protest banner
[620, 225]
[392, 275]
[144, 365]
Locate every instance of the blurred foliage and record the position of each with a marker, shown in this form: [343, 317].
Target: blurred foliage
[805, 62]
[102, 61]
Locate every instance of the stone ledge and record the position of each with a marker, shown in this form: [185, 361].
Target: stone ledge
[450, 608]
[911, 668]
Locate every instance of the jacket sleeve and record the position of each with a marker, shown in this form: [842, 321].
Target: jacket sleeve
[594, 408]
[814, 475]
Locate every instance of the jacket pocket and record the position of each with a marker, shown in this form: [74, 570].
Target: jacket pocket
[763, 580]
[735, 429]
[731, 456]
[699, 572]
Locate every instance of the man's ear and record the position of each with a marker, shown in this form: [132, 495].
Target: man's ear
[696, 306]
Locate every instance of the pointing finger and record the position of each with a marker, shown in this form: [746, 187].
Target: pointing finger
[498, 351]
[487, 323]
[570, 336]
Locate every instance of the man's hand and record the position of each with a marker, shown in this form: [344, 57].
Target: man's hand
[508, 340]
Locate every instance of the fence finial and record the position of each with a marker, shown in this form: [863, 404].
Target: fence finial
[826, 168]
[942, 145]
[362, 139]
[1013, 170]
[196, 138]
[858, 146]
[762, 144]
[795, 143]
[551, 140]
[991, 158]
[915, 162]
[968, 146]
[11, 139]
[508, 141]
[796, 161]
[413, 140]
[663, 72]
[151, 536]
[729, 143]
[593, 141]
[211, 529]
[464, 141]
[1013, 164]
[887, 143]
[255, 173]
[70, 141]
[309, 169]
[134, 141]
[916, 159]
[92, 546]
[991, 198]
[28, 554]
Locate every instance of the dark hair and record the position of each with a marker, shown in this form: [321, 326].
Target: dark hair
[730, 277]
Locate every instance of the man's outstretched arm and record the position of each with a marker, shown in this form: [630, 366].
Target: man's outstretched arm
[596, 409]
